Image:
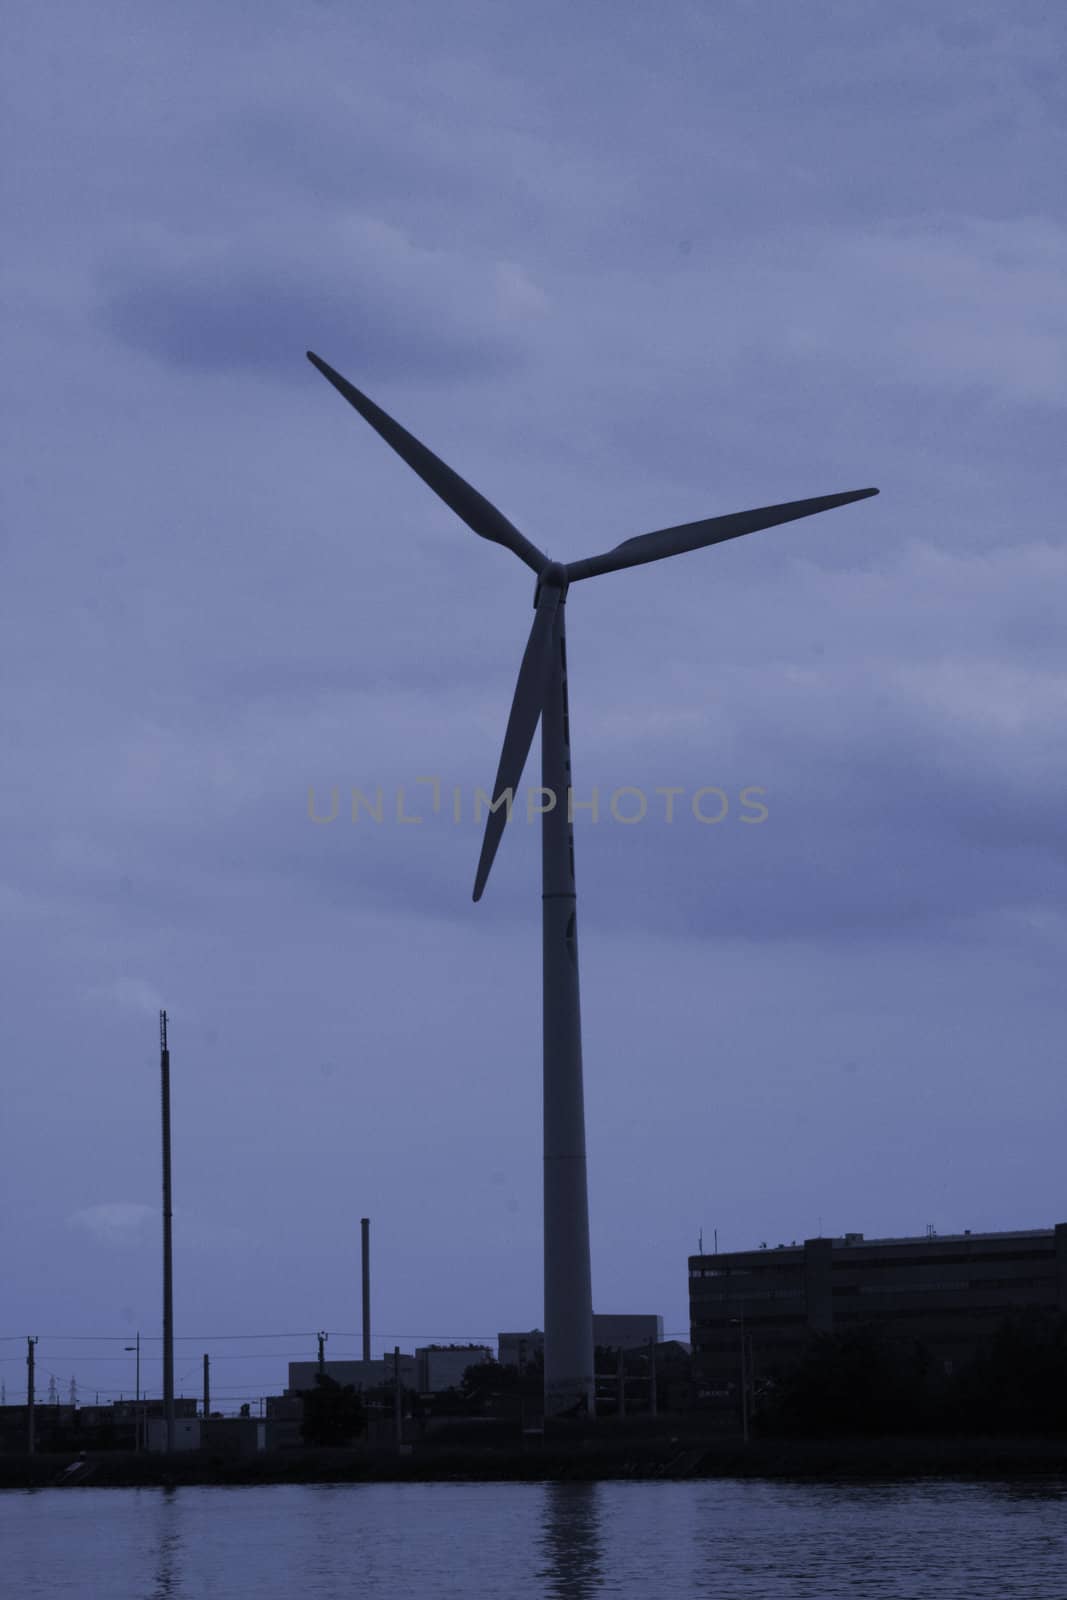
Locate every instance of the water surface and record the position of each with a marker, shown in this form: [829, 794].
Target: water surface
[729, 1540]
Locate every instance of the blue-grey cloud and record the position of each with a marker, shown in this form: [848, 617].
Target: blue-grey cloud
[115, 1222]
[356, 289]
[620, 275]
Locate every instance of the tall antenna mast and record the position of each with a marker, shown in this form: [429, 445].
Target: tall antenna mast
[168, 1276]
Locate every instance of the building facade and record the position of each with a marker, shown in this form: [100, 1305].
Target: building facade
[949, 1292]
[432, 1369]
[519, 1349]
[360, 1375]
[441, 1366]
[186, 1434]
[624, 1331]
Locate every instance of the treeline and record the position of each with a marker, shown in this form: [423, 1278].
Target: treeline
[865, 1383]
[336, 1414]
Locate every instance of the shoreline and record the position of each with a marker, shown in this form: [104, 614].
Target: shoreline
[577, 1460]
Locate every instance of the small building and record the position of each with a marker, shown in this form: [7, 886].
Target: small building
[233, 1438]
[186, 1434]
[285, 1421]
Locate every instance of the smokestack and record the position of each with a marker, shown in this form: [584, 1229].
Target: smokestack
[364, 1228]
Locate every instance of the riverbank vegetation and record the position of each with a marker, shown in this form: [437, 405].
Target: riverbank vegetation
[597, 1454]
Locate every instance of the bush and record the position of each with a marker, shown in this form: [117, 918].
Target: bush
[332, 1415]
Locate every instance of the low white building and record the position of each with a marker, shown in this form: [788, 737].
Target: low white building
[186, 1433]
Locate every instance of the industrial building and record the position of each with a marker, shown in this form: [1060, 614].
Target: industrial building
[228, 1437]
[610, 1331]
[518, 1349]
[949, 1292]
[359, 1374]
[441, 1366]
[622, 1331]
[431, 1370]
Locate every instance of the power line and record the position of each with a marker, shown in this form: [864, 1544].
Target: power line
[70, 1338]
[146, 1338]
[220, 1338]
[259, 1355]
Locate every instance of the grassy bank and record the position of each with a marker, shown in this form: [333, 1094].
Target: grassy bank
[586, 1458]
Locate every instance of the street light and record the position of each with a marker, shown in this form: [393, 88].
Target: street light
[137, 1412]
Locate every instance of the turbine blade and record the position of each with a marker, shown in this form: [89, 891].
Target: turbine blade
[466, 502]
[525, 714]
[695, 535]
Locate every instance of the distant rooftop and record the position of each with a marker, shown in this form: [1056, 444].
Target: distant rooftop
[928, 1238]
[849, 1239]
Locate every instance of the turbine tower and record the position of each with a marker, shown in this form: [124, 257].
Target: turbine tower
[541, 697]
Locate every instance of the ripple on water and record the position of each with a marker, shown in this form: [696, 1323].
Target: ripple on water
[721, 1540]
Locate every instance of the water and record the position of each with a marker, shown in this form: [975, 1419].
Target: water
[726, 1540]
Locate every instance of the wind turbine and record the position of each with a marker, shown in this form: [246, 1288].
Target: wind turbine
[541, 696]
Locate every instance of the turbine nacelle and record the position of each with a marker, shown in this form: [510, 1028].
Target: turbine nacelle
[552, 576]
[553, 580]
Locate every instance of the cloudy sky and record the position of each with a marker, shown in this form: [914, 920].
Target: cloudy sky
[622, 266]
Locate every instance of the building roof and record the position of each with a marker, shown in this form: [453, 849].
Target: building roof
[855, 1240]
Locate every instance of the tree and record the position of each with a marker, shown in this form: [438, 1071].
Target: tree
[332, 1415]
[858, 1382]
[1018, 1382]
[488, 1377]
[491, 1385]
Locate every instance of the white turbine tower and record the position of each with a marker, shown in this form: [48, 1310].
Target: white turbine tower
[541, 696]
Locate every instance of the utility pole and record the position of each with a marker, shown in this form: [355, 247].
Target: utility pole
[620, 1380]
[29, 1394]
[137, 1390]
[138, 1417]
[398, 1405]
[322, 1354]
[365, 1233]
[207, 1386]
[744, 1380]
[653, 1407]
[168, 1278]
